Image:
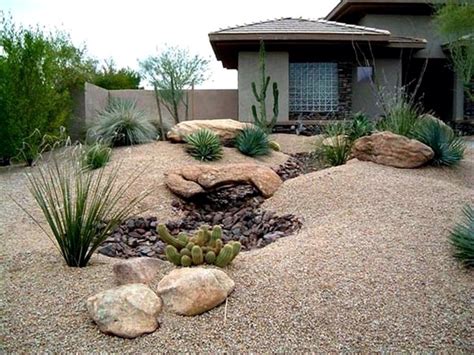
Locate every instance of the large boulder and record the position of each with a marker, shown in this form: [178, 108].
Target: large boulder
[192, 180]
[226, 129]
[127, 311]
[392, 149]
[192, 291]
[137, 270]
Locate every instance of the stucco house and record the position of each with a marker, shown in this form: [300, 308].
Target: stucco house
[353, 60]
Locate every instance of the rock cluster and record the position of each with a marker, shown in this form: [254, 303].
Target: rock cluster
[298, 164]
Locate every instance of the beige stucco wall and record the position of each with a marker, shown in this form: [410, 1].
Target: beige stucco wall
[277, 66]
[386, 82]
[411, 26]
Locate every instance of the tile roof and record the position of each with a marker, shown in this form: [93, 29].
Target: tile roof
[301, 26]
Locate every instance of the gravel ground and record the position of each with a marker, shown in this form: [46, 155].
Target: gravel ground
[370, 270]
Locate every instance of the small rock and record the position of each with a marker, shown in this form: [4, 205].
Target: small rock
[137, 270]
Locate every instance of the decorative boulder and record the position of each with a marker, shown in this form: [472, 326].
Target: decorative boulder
[192, 180]
[127, 311]
[137, 270]
[194, 291]
[392, 149]
[226, 129]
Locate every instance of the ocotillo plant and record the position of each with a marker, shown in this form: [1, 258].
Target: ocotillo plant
[260, 117]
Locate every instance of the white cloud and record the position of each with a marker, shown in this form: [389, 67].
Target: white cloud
[130, 30]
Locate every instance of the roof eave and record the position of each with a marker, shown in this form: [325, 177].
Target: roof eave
[215, 37]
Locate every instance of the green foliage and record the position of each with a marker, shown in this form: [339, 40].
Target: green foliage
[401, 118]
[252, 141]
[204, 145]
[462, 238]
[260, 118]
[337, 128]
[204, 247]
[171, 72]
[80, 207]
[337, 152]
[111, 78]
[38, 70]
[121, 123]
[95, 156]
[447, 147]
[360, 126]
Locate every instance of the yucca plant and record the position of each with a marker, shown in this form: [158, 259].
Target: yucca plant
[447, 147]
[462, 238]
[360, 126]
[80, 207]
[95, 156]
[253, 141]
[121, 123]
[204, 145]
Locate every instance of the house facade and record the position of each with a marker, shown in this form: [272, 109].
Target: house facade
[356, 59]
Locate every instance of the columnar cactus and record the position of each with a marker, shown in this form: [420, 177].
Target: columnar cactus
[205, 247]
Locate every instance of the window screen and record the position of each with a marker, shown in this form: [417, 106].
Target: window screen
[313, 87]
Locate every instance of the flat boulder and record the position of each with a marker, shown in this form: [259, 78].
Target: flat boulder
[226, 129]
[192, 291]
[137, 270]
[191, 180]
[127, 311]
[391, 149]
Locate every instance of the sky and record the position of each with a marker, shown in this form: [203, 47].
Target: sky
[127, 31]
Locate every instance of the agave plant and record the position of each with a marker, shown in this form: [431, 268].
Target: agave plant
[447, 147]
[80, 207]
[204, 145]
[121, 123]
[95, 156]
[360, 126]
[253, 141]
[462, 238]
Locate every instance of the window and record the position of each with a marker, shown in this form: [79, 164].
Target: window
[364, 74]
[313, 87]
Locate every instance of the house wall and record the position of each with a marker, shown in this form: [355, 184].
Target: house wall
[277, 66]
[410, 26]
[367, 96]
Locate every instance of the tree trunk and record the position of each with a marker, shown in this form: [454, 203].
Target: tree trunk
[160, 116]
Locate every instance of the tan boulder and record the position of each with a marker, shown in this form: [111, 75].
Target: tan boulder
[192, 291]
[392, 149]
[191, 180]
[137, 270]
[226, 129]
[127, 311]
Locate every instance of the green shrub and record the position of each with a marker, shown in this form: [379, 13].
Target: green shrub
[252, 141]
[401, 118]
[204, 145]
[360, 126]
[337, 152]
[121, 123]
[336, 128]
[95, 156]
[111, 78]
[447, 147]
[462, 238]
[80, 207]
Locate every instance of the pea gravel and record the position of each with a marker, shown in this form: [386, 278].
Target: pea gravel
[371, 270]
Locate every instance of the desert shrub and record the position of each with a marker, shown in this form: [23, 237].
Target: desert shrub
[111, 78]
[252, 141]
[95, 156]
[336, 128]
[80, 207]
[462, 238]
[204, 145]
[360, 126]
[401, 118]
[337, 152]
[121, 123]
[447, 147]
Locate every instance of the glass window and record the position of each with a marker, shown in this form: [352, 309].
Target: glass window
[313, 87]
[364, 74]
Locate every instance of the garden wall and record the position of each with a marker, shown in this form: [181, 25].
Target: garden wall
[203, 104]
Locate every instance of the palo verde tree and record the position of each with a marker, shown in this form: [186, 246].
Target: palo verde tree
[455, 22]
[171, 72]
[260, 117]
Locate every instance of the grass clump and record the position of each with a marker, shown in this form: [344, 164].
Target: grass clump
[447, 147]
[401, 118]
[95, 156]
[80, 207]
[462, 238]
[253, 141]
[121, 124]
[204, 145]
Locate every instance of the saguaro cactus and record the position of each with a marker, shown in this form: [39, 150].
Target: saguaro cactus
[260, 117]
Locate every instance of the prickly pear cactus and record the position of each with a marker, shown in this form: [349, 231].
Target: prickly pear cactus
[205, 247]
